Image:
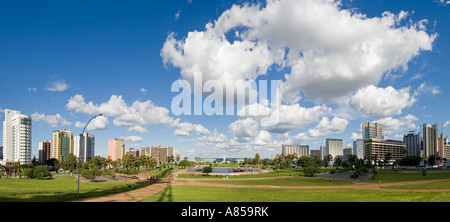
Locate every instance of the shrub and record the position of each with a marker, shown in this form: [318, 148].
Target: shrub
[207, 169]
[91, 173]
[40, 172]
[310, 171]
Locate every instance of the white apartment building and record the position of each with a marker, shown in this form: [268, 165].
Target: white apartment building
[84, 146]
[334, 147]
[299, 150]
[358, 148]
[16, 137]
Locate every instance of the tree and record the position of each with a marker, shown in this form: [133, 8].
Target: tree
[327, 159]
[304, 161]
[338, 162]
[70, 163]
[387, 158]
[130, 162]
[147, 161]
[352, 159]
[98, 161]
[316, 160]
[207, 169]
[40, 172]
[286, 163]
[409, 161]
[257, 159]
[431, 160]
[310, 171]
[53, 163]
[91, 173]
[185, 163]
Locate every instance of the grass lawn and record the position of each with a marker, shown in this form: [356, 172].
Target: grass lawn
[219, 194]
[291, 181]
[425, 186]
[405, 177]
[277, 173]
[55, 190]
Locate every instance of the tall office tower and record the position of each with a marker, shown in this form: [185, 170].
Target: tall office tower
[430, 137]
[413, 144]
[358, 148]
[441, 147]
[116, 149]
[371, 130]
[84, 146]
[62, 144]
[299, 150]
[16, 137]
[334, 147]
[44, 151]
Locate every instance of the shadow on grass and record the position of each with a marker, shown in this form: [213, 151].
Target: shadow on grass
[62, 196]
[166, 195]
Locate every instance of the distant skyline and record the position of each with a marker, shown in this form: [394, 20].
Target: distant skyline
[340, 63]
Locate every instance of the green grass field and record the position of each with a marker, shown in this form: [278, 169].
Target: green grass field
[55, 190]
[292, 181]
[277, 173]
[386, 177]
[219, 194]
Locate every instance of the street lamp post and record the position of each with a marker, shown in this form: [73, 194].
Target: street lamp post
[79, 159]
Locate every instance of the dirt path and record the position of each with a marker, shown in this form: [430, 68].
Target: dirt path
[134, 195]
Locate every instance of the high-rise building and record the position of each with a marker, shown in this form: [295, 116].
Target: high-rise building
[16, 137]
[358, 148]
[84, 146]
[44, 151]
[347, 152]
[371, 130]
[379, 148]
[441, 147]
[145, 151]
[161, 153]
[62, 144]
[299, 150]
[322, 152]
[447, 148]
[334, 147]
[133, 152]
[413, 144]
[430, 138]
[314, 152]
[116, 149]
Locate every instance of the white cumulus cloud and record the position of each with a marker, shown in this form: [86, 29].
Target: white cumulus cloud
[382, 102]
[52, 120]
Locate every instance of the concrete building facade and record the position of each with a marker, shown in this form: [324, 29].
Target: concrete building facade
[16, 137]
[84, 146]
[62, 144]
[116, 149]
[299, 150]
[371, 130]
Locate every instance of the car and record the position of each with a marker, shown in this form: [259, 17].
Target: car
[134, 177]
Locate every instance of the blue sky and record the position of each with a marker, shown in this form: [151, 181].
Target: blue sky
[58, 56]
